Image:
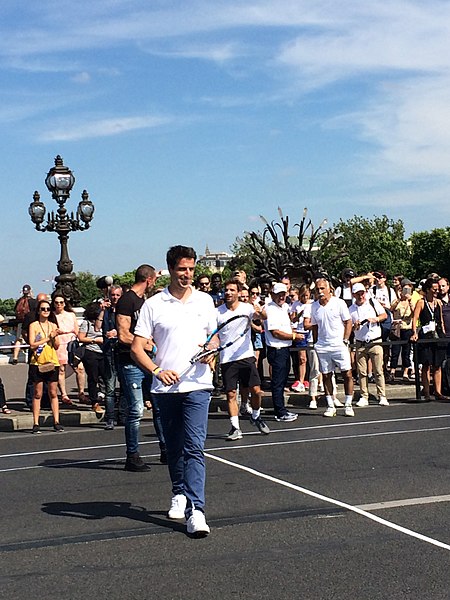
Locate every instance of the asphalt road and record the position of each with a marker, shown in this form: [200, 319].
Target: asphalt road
[319, 509]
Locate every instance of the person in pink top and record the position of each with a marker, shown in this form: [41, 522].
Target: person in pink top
[68, 324]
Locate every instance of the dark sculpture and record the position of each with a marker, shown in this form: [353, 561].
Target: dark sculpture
[302, 257]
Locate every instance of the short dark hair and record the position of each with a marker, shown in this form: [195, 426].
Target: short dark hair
[176, 253]
[234, 281]
[143, 272]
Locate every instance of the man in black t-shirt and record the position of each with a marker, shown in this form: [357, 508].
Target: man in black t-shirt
[132, 377]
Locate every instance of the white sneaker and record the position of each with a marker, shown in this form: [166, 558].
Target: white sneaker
[196, 524]
[313, 405]
[362, 402]
[348, 411]
[330, 412]
[177, 507]
[337, 403]
[383, 401]
[320, 388]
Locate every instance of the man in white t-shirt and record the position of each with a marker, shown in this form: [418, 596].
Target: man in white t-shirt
[331, 325]
[279, 338]
[179, 320]
[238, 363]
[367, 314]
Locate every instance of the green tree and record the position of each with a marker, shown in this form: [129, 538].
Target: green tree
[243, 256]
[87, 287]
[371, 245]
[7, 307]
[430, 253]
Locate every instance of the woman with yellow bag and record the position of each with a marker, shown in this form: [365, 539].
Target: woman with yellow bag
[43, 337]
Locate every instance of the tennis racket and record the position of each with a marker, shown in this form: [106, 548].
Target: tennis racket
[224, 336]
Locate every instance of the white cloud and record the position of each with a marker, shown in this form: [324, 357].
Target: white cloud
[103, 128]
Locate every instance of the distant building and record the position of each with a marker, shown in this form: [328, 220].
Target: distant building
[216, 261]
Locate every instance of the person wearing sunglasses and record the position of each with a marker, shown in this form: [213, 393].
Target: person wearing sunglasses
[68, 324]
[43, 335]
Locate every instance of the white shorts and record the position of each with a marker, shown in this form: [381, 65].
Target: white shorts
[331, 359]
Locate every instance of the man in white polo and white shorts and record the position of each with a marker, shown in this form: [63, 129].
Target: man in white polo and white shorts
[238, 362]
[331, 325]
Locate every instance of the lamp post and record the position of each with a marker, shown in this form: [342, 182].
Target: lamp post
[59, 182]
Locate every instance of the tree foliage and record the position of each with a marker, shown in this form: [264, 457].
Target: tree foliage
[86, 284]
[371, 245]
[7, 307]
[430, 253]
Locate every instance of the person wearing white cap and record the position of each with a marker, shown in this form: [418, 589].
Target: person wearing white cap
[367, 314]
[279, 338]
[331, 325]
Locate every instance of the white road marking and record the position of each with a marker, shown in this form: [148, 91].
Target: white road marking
[281, 430]
[349, 507]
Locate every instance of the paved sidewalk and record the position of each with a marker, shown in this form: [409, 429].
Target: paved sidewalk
[14, 379]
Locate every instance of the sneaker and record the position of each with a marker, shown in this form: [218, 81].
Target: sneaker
[260, 424]
[362, 402]
[371, 378]
[298, 387]
[337, 403]
[287, 417]
[163, 457]
[245, 409]
[234, 434]
[135, 463]
[320, 388]
[196, 524]
[313, 405]
[177, 507]
[58, 427]
[36, 429]
[109, 425]
[383, 401]
[306, 384]
[348, 411]
[330, 412]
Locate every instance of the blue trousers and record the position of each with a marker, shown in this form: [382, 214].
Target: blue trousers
[279, 359]
[184, 419]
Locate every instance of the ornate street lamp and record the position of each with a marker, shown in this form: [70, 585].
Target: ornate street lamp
[60, 181]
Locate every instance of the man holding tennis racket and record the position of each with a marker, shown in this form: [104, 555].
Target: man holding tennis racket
[180, 319]
[237, 359]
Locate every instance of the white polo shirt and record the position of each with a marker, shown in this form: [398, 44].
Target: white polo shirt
[178, 330]
[243, 347]
[277, 318]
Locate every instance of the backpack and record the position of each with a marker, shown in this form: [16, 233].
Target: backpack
[22, 308]
[385, 325]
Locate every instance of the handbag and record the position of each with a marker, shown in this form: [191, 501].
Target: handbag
[75, 352]
[45, 359]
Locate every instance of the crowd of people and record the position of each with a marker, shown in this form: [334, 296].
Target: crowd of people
[138, 348]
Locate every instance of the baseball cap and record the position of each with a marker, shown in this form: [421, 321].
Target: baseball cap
[348, 273]
[26, 288]
[358, 287]
[406, 281]
[278, 288]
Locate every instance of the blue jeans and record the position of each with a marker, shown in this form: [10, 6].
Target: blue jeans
[184, 419]
[132, 378]
[280, 361]
[110, 378]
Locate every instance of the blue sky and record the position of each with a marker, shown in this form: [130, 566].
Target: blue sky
[186, 120]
